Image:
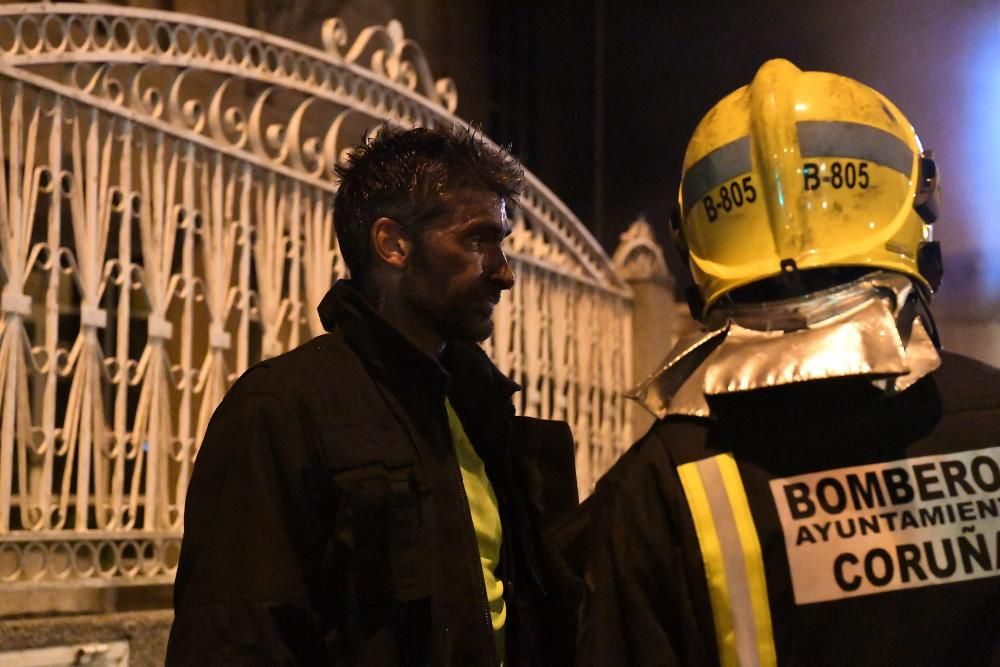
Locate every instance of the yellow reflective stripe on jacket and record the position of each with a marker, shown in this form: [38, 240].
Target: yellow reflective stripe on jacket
[734, 567]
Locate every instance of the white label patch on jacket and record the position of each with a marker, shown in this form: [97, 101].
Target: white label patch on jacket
[889, 526]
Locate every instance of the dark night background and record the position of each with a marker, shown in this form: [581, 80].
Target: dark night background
[666, 64]
[599, 98]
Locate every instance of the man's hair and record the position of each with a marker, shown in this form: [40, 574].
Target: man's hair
[407, 175]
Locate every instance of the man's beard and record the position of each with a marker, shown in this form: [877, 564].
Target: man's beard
[457, 317]
[465, 316]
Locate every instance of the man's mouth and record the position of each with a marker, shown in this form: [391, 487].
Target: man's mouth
[486, 306]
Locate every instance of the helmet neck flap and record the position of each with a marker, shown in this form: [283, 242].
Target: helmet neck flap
[876, 328]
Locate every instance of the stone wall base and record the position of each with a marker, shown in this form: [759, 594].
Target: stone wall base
[145, 631]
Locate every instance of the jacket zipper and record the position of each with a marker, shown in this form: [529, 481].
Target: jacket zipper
[519, 511]
[531, 561]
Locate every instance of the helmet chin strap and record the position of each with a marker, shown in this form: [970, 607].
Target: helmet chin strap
[922, 310]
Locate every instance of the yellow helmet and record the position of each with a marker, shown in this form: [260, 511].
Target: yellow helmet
[801, 171]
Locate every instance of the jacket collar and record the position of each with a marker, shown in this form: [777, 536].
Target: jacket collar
[464, 372]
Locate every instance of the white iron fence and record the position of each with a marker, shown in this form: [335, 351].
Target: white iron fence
[166, 220]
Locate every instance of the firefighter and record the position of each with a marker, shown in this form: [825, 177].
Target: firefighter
[822, 485]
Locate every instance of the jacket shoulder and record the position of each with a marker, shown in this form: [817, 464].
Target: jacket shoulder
[669, 442]
[322, 371]
[966, 384]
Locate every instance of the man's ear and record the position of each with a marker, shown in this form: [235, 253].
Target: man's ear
[390, 243]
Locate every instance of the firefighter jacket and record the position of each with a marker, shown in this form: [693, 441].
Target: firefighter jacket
[326, 520]
[816, 523]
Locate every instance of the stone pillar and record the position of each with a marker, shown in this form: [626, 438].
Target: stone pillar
[658, 318]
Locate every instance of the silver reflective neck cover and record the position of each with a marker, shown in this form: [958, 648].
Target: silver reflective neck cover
[848, 330]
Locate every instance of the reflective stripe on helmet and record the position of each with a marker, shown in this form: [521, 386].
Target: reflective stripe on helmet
[721, 165]
[734, 567]
[827, 138]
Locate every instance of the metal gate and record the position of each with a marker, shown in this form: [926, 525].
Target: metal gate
[166, 220]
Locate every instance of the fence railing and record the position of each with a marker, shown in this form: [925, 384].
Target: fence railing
[166, 220]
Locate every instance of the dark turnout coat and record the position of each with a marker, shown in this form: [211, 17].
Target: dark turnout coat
[326, 521]
[866, 526]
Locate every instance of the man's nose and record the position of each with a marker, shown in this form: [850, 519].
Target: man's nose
[500, 271]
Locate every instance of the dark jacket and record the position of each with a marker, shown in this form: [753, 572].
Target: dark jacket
[326, 521]
[891, 596]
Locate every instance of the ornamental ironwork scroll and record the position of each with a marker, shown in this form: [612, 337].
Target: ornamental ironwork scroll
[166, 220]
